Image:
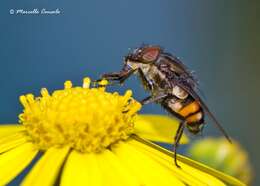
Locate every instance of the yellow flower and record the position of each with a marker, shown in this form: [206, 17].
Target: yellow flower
[91, 137]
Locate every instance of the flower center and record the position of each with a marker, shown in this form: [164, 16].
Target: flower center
[87, 119]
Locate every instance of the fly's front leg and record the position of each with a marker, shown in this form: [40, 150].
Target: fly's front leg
[118, 76]
[152, 98]
[115, 77]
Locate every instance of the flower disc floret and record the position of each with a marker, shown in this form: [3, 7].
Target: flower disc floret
[86, 119]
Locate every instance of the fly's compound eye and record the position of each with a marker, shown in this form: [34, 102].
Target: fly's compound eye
[150, 54]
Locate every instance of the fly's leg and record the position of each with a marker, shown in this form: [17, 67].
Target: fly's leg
[118, 76]
[177, 140]
[114, 76]
[151, 99]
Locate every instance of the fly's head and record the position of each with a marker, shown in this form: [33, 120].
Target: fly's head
[144, 55]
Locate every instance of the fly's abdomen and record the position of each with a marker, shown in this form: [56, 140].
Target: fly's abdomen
[187, 108]
[192, 112]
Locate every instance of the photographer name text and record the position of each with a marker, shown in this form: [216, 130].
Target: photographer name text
[35, 11]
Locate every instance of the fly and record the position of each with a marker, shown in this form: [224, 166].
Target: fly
[171, 85]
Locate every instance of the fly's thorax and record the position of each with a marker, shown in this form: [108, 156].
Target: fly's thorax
[151, 72]
[146, 68]
[154, 77]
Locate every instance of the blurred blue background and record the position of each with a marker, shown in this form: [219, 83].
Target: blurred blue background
[219, 40]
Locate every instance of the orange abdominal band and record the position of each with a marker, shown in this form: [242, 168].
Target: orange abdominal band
[189, 109]
[194, 118]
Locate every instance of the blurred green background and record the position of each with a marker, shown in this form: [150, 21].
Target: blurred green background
[218, 39]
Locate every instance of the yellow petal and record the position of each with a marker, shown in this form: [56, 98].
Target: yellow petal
[186, 163]
[6, 129]
[14, 161]
[114, 172]
[157, 128]
[81, 169]
[46, 170]
[187, 174]
[148, 171]
[12, 140]
[226, 178]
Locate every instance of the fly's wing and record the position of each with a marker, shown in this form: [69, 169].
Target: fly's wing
[185, 86]
[176, 66]
[183, 78]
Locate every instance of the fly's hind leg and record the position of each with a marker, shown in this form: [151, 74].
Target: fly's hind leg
[179, 131]
[177, 138]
